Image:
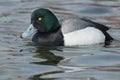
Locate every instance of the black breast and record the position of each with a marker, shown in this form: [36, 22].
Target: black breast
[49, 39]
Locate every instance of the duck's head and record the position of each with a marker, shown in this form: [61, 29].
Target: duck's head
[42, 20]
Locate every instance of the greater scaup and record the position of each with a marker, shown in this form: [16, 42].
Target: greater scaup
[49, 31]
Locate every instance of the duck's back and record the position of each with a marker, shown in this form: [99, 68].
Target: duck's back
[74, 23]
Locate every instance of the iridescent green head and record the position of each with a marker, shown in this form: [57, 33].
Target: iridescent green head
[44, 20]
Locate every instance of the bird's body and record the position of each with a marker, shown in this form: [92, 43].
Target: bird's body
[68, 31]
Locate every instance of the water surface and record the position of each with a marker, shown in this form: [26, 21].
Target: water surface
[22, 60]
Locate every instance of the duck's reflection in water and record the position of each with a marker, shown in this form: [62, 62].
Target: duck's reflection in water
[51, 59]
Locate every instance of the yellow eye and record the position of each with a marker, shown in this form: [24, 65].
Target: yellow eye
[39, 19]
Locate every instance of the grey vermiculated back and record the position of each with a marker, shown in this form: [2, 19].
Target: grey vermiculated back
[73, 23]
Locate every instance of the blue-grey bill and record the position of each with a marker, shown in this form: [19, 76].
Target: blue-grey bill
[29, 32]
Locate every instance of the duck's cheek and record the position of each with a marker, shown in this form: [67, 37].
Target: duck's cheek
[29, 32]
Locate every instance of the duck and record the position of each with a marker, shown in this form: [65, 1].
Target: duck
[47, 30]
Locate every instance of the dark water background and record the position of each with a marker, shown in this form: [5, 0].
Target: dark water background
[22, 60]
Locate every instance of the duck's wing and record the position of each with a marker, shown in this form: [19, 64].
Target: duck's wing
[96, 25]
[71, 24]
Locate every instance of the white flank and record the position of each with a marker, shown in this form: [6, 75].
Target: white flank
[86, 36]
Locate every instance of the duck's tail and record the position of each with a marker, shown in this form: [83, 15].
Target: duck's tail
[107, 37]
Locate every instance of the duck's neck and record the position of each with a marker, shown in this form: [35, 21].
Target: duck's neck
[54, 38]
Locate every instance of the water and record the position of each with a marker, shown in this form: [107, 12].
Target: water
[22, 60]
